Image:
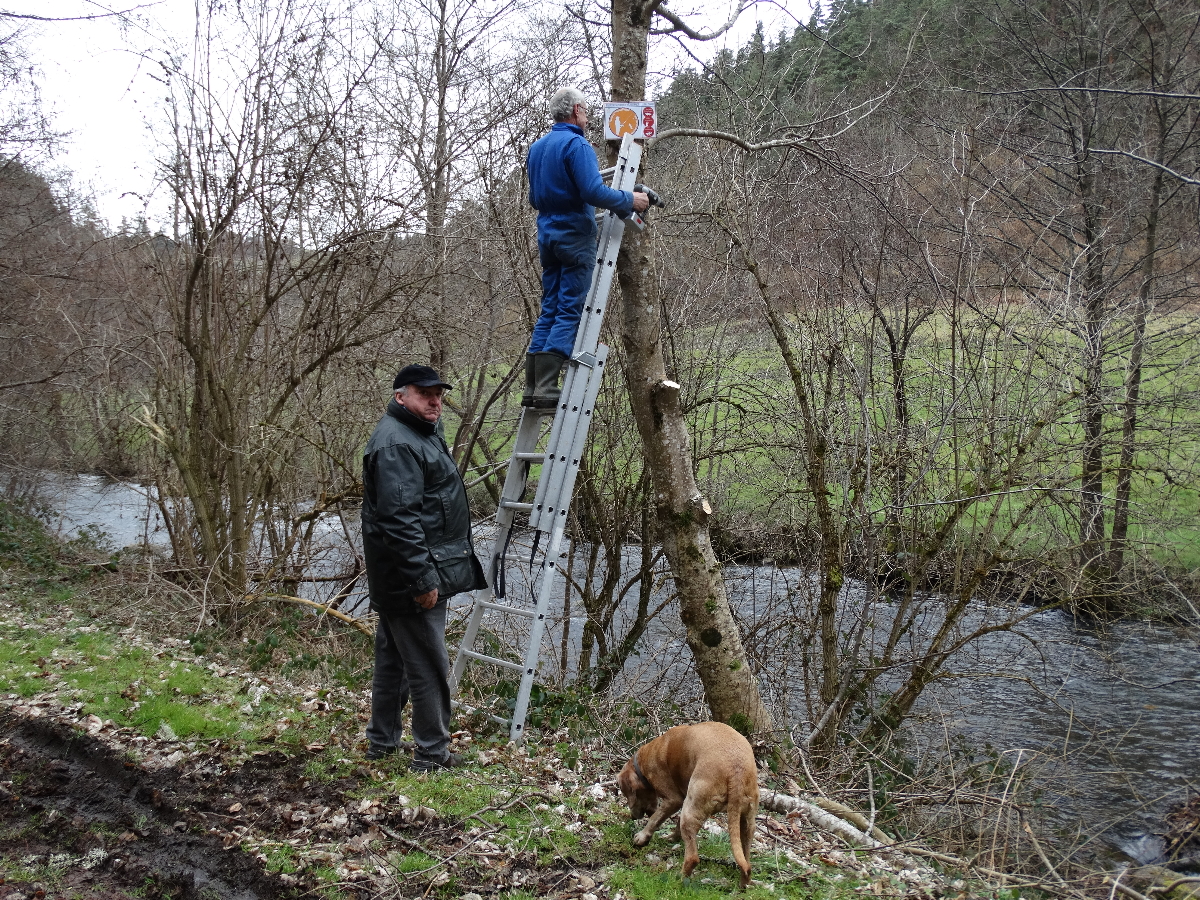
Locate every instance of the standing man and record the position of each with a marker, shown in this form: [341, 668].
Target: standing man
[565, 187]
[416, 529]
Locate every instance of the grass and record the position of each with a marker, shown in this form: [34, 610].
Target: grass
[133, 685]
[751, 453]
[141, 686]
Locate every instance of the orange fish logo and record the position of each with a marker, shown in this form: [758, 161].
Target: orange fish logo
[623, 122]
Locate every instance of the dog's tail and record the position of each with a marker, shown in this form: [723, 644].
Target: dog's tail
[740, 810]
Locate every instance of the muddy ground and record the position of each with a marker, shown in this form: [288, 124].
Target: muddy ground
[106, 827]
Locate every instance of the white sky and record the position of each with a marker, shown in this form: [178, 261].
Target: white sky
[97, 81]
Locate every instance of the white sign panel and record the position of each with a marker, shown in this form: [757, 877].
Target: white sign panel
[637, 118]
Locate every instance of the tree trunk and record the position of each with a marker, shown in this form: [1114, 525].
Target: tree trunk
[730, 688]
[1133, 374]
[1091, 499]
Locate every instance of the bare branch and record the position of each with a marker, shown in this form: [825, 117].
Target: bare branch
[17, 384]
[107, 14]
[1063, 89]
[680, 26]
[1150, 162]
[325, 610]
[729, 137]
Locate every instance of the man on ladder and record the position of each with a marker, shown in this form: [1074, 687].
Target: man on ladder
[565, 186]
[564, 183]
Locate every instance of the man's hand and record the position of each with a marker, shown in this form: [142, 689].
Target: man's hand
[641, 202]
[427, 601]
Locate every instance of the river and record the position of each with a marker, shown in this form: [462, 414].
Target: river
[1107, 720]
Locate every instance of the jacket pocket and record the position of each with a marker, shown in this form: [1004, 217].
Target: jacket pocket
[458, 569]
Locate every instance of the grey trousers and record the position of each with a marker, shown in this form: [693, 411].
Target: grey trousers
[411, 663]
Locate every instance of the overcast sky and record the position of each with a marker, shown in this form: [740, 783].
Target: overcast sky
[97, 79]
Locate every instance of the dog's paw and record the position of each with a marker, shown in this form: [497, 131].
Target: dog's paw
[641, 839]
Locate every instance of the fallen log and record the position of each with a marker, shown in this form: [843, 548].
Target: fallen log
[837, 823]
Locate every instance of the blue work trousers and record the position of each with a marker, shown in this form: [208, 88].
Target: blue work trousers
[568, 258]
[411, 663]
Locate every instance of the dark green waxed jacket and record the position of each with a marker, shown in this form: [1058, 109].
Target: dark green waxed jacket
[416, 524]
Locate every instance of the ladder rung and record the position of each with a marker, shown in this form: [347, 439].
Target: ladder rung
[470, 710]
[530, 457]
[514, 505]
[504, 663]
[504, 607]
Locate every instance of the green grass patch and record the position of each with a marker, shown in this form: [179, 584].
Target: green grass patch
[280, 858]
[412, 862]
[134, 686]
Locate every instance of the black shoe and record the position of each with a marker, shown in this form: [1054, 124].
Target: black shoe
[379, 751]
[530, 380]
[545, 392]
[452, 761]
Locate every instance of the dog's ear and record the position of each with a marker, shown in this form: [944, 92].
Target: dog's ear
[625, 780]
[629, 784]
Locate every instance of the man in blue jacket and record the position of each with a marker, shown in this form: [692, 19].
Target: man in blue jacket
[416, 529]
[565, 187]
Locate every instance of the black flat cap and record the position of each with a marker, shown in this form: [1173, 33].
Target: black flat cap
[421, 376]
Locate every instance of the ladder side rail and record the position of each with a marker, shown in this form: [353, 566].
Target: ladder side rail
[624, 179]
[468, 641]
[592, 320]
[537, 632]
[514, 484]
[566, 424]
[567, 470]
[629, 159]
[560, 427]
[558, 474]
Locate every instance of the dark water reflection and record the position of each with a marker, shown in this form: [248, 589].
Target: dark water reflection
[1108, 721]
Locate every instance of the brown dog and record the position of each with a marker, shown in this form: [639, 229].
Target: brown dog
[702, 769]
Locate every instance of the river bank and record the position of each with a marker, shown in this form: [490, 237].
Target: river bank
[138, 762]
[1100, 722]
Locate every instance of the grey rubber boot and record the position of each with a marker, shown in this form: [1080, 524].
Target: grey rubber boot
[546, 367]
[530, 380]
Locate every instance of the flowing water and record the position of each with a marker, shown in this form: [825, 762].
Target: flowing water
[1109, 719]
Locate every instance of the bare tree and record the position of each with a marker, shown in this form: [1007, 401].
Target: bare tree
[1088, 75]
[293, 256]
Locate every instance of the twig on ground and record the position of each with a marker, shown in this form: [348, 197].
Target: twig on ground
[511, 803]
[1037, 846]
[407, 842]
[349, 620]
[1118, 887]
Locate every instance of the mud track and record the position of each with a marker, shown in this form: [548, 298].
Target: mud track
[93, 824]
[113, 827]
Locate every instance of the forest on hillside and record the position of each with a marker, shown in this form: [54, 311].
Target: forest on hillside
[927, 281]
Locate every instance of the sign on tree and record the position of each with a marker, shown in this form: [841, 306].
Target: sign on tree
[637, 118]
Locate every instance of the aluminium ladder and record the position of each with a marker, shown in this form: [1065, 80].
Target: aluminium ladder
[559, 458]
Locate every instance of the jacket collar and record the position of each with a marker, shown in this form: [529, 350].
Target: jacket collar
[567, 126]
[420, 426]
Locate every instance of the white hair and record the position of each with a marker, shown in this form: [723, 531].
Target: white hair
[563, 102]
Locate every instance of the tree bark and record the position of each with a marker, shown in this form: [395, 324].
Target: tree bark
[730, 687]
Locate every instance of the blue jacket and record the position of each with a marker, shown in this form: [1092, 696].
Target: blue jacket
[565, 184]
